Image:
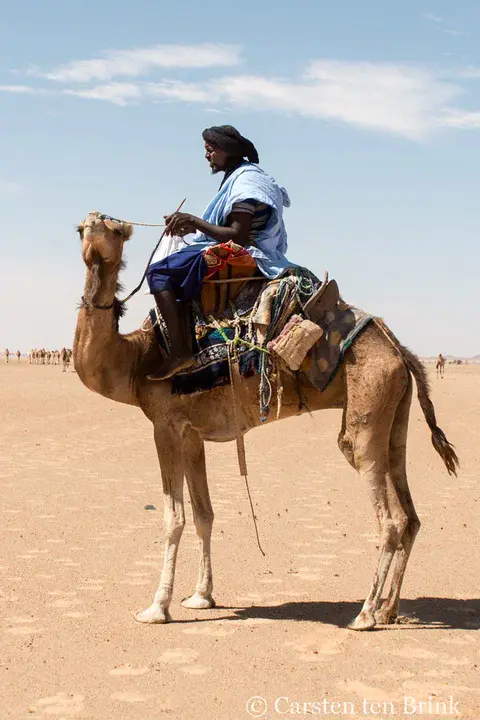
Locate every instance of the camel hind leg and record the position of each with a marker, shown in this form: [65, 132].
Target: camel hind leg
[373, 394]
[398, 485]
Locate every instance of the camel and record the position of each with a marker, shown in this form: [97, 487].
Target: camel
[7, 355]
[440, 365]
[373, 386]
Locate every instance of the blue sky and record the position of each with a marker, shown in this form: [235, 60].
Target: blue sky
[367, 112]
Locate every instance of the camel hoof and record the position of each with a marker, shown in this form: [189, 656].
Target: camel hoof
[153, 615]
[363, 621]
[197, 602]
[385, 617]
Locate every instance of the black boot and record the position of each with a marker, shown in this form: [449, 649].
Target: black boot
[180, 356]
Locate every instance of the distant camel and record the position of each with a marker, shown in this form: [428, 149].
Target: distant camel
[440, 365]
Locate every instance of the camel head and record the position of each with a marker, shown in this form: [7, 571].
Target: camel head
[102, 238]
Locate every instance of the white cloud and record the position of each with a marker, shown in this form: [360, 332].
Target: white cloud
[19, 89]
[400, 99]
[175, 90]
[461, 119]
[434, 18]
[456, 33]
[470, 72]
[117, 93]
[135, 63]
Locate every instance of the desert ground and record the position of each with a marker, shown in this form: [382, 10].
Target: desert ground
[80, 554]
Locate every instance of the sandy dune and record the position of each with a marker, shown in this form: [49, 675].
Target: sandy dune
[80, 555]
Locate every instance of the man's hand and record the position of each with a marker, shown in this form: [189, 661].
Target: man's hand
[180, 224]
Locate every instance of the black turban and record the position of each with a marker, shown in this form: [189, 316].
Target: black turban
[229, 139]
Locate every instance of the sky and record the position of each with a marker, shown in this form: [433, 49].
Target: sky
[367, 112]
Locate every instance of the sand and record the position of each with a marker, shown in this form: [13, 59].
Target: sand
[80, 554]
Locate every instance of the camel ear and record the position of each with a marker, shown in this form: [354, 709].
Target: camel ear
[127, 231]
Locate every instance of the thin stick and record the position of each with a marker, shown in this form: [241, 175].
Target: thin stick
[122, 302]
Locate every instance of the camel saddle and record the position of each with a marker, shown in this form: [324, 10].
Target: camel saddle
[296, 319]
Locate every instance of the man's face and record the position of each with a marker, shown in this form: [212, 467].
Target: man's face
[216, 158]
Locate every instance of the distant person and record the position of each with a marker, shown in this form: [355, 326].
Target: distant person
[7, 355]
[19, 355]
[65, 357]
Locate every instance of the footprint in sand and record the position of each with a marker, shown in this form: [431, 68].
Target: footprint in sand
[372, 694]
[76, 615]
[62, 703]
[321, 645]
[195, 670]
[92, 585]
[65, 603]
[215, 629]
[249, 598]
[25, 630]
[416, 653]
[178, 656]
[455, 661]
[128, 670]
[130, 697]
[271, 581]
[463, 640]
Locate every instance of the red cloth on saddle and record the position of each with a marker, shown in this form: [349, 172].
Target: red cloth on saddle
[225, 261]
[219, 256]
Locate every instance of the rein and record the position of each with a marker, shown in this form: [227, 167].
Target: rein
[103, 216]
[135, 290]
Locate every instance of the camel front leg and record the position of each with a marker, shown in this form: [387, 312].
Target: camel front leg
[170, 455]
[196, 475]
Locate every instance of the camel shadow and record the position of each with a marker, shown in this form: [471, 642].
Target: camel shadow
[424, 613]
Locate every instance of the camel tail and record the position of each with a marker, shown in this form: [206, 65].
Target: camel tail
[439, 440]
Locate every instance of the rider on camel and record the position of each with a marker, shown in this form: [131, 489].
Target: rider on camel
[247, 210]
